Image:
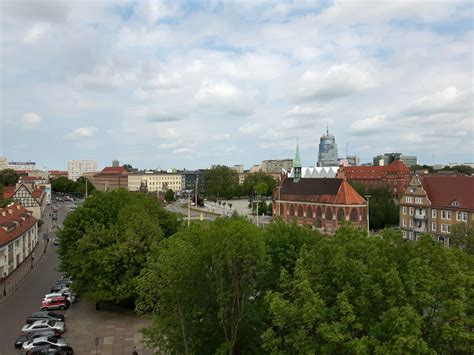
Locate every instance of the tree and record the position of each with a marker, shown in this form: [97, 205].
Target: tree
[127, 167]
[221, 182]
[259, 183]
[353, 294]
[170, 196]
[8, 177]
[104, 244]
[462, 236]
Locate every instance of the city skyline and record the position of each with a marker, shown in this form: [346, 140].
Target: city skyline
[149, 84]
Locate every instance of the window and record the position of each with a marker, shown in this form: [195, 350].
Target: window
[409, 199]
[418, 200]
[433, 226]
[404, 210]
[446, 214]
[410, 211]
[433, 213]
[410, 235]
[404, 222]
[411, 223]
[461, 216]
[455, 203]
[404, 234]
[446, 228]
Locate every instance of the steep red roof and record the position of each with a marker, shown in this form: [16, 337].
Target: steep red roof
[347, 195]
[374, 172]
[442, 190]
[8, 191]
[38, 193]
[115, 170]
[15, 220]
[58, 173]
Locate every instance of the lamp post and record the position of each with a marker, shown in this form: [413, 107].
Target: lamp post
[368, 215]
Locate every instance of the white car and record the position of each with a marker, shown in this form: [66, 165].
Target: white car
[62, 293]
[42, 325]
[53, 342]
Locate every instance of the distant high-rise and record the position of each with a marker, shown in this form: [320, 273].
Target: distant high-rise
[327, 150]
[115, 163]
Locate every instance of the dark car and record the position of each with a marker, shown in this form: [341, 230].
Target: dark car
[44, 315]
[49, 350]
[45, 333]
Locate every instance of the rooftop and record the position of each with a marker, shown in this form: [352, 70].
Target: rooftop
[15, 220]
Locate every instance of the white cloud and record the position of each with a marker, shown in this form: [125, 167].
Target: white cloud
[221, 137]
[250, 128]
[223, 96]
[337, 81]
[368, 125]
[82, 133]
[183, 151]
[35, 33]
[30, 120]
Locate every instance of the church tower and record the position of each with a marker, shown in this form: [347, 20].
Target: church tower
[297, 165]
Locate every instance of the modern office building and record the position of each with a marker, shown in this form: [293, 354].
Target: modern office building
[22, 165]
[192, 179]
[75, 168]
[327, 155]
[389, 158]
[434, 203]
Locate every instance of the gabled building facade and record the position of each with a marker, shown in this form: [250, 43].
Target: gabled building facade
[434, 203]
[30, 196]
[18, 237]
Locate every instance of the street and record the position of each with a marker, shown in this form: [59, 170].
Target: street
[26, 299]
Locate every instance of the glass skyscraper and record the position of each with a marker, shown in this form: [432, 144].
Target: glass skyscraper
[327, 150]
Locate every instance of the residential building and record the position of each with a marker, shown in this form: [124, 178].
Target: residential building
[76, 168]
[434, 203]
[349, 161]
[111, 178]
[57, 173]
[327, 155]
[239, 168]
[276, 166]
[154, 181]
[255, 169]
[322, 203]
[38, 182]
[22, 165]
[18, 237]
[3, 163]
[394, 177]
[389, 158]
[30, 196]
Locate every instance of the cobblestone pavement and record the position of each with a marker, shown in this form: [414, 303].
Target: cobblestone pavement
[115, 331]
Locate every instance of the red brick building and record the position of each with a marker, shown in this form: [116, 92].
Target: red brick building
[323, 203]
[111, 178]
[395, 176]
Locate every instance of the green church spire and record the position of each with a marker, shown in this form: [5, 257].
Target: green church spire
[297, 165]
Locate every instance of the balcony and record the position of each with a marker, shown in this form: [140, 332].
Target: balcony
[420, 227]
[420, 214]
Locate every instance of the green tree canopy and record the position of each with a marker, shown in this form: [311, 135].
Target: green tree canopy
[221, 182]
[127, 167]
[259, 183]
[170, 196]
[64, 185]
[462, 236]
[8, 177]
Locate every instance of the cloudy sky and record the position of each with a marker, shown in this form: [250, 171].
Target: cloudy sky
[186, 85]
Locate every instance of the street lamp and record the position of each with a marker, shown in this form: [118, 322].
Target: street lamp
[368, 215]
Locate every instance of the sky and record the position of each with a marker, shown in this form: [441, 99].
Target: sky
[169, 84]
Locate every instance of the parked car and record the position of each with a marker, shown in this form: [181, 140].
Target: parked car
[53, 342]
[59, 287]
[59, 302]
[44, 315]
[63, 293]
[45, 333]
[40, 325]
[48, 350]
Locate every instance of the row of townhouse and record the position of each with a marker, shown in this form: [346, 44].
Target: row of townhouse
[434, 203]
[18, 237]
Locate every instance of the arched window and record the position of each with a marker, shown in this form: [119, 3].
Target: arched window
[340, 215]
[354, 215]
[300, 211]
[292, 210]
[309, 212]
[319, 213]
[282, 210]
[441, 240]
[328, 214]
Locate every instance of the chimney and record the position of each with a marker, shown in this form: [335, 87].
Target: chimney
[10, 211]
[18, 207]
[4, 213]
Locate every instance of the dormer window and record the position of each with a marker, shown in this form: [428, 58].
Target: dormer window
[455, 203]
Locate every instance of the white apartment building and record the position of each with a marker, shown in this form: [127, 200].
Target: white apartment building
[154, 181]
[75, 168]
[3, 163]
[18, 237]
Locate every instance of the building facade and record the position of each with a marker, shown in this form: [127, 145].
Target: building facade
[3, 163]
[394, 177]
[22, 165]
[30, 196]
[327, 155]
[76, 168]
[111, 178]
[18, 237]
[389, 158]
[434, 203]
[190, 180]
[154, 181]
[276, 166]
